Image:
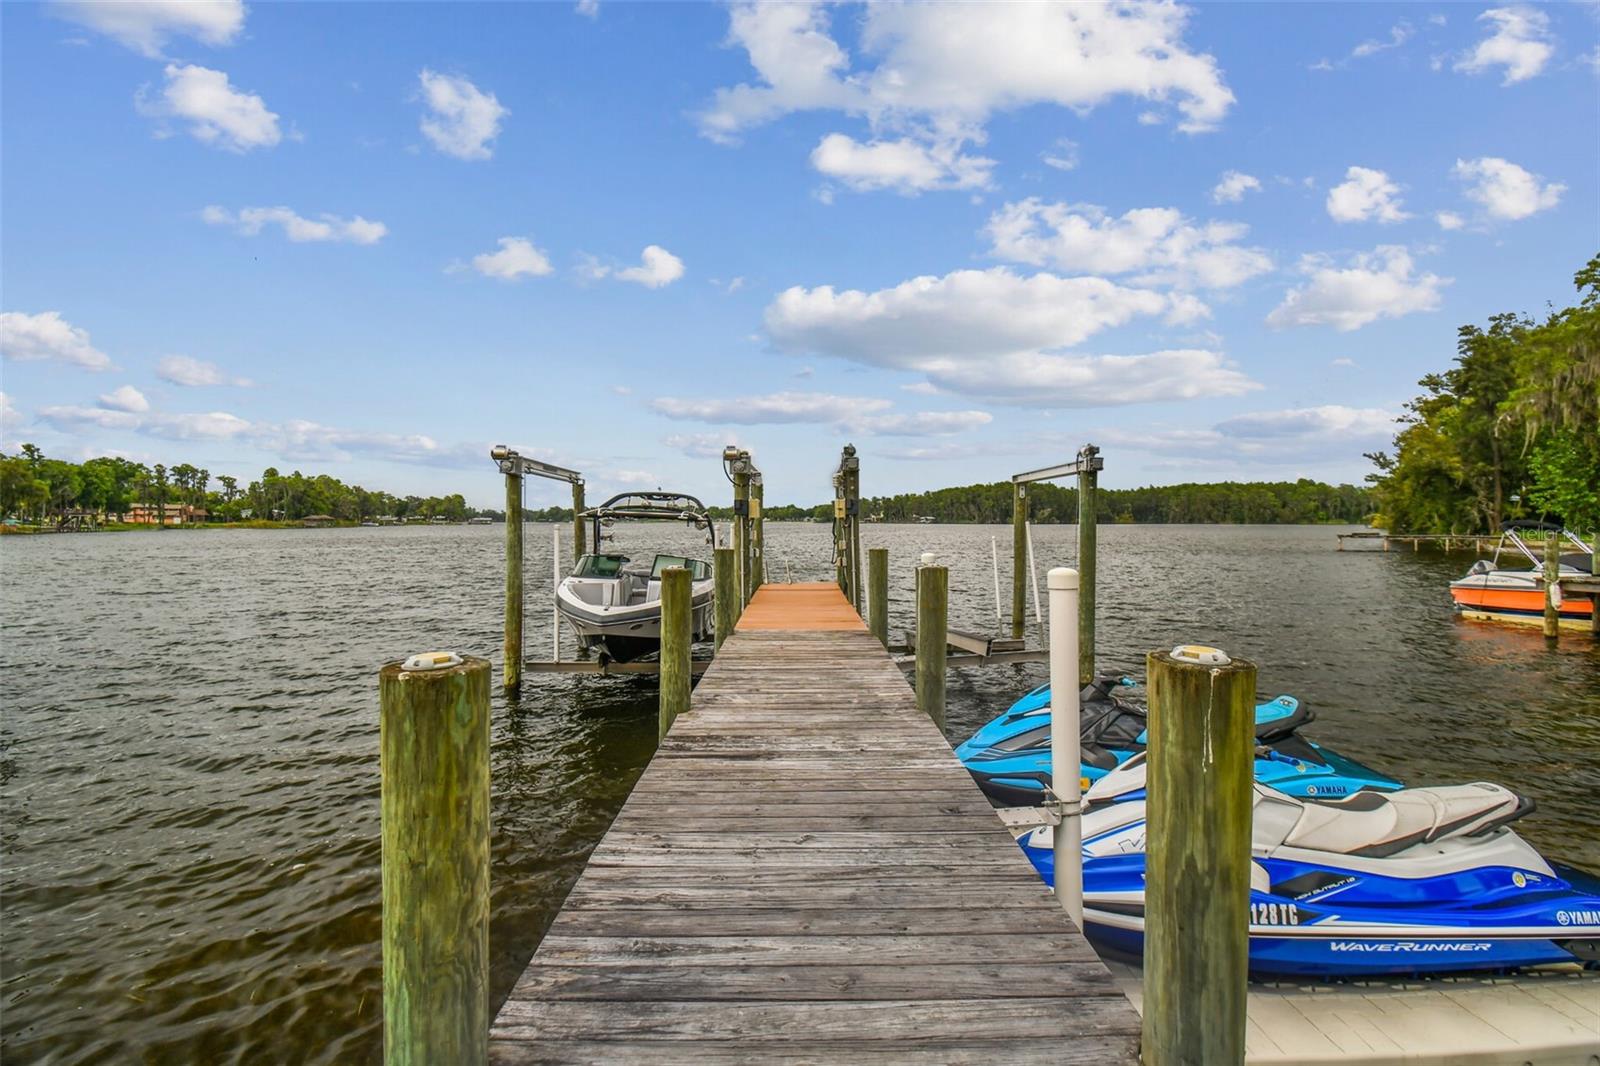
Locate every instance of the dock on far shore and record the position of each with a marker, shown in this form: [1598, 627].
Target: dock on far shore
[805, 872]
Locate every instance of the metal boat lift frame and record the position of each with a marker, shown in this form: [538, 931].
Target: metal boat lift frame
[1086, 466]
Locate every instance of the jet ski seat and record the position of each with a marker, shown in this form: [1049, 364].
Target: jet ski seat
[1377, 824]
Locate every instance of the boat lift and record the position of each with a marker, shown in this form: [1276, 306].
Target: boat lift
[516, 467]
[1087, 466]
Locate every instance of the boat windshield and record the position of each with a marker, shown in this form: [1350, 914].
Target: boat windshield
[599, 566]
[698, 571]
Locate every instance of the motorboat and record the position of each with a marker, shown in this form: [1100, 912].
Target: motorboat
[612, 600]
[1010, 760]
[1425, 880]
[1490, 592]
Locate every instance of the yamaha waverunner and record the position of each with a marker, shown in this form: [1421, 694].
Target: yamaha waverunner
[1009, 758]
[1425, 880]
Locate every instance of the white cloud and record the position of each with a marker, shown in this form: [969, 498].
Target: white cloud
[902, 165]
[1292, 435]
[250, 221]
[657, 268]
[48, 336]
[1342, 361]
[146, 25]
[992, 333]
[1044, 379]
[516, 258]
[212, 425]
[1365, 195]
[195, 373]
[1449, 220]
[10, 420]
[1521, 43]
[1506, 190]
[1399, 34]
[216, 112]
[1379, 284]
[126, 398]
[462, 119]
[926, 423]
[296, 439]
[700, 445]
[589, 9]
[1063, 155]
[773, 408]
[1327, 420]
[861, 414]
[1232, 187]
[1156, 244]
[966, 313]
[936, 73]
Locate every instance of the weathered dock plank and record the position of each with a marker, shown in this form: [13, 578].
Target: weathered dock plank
[804, 873]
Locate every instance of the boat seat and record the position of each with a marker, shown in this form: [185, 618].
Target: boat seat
[1377, 824]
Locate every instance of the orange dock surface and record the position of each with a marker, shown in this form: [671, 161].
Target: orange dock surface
[814, 605]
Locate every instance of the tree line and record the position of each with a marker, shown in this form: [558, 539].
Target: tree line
[36, 486]
[1510, 431]
[1251, 502]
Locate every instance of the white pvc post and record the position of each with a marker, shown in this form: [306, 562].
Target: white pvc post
[555, 598]
[1033, 576]
[994, 552]
[1065, 758]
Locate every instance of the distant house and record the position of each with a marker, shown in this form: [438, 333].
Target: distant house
[317, 521]
[177, 514]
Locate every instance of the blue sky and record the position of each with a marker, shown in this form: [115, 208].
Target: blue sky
[1221, 241]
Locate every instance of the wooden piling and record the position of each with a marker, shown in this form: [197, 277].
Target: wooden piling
[1019, 556]
[579, 535]
[853, 518]
[840, 551]
[933, 633]
[1552, 586]
[1197, 883]
[741, 525]
[726, 585]
[513, 635]
[434, 748]
[677, 643]
[1088, 481]
[758, 549]
[878, 593]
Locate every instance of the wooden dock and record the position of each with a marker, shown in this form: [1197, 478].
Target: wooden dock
[804, 872]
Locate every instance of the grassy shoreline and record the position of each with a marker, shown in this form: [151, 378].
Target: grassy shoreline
[132, 527]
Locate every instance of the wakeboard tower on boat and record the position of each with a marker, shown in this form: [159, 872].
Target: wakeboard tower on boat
[1490, 593]
[612, 601]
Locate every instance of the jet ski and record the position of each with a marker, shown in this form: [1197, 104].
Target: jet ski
[1425, 880]
[1009, 758]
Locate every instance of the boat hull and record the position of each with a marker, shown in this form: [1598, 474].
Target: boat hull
[626, 634]
[1482, 601]
[1300, 937]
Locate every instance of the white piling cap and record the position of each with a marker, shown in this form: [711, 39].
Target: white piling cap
[432, 660]
[1200, 655]
[927, 558]
[1062, 578]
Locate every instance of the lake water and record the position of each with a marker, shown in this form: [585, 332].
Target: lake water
[189, 742]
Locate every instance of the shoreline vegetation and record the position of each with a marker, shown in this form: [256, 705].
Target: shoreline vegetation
[43, 495]
[1510, 431]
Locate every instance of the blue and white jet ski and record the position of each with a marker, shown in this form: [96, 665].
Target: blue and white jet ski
[1426, 880]
[1009, 757]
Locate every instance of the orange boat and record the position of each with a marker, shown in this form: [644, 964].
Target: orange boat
[1490, 593]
